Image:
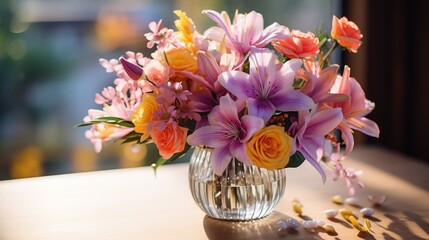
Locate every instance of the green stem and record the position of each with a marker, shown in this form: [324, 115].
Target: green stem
[329, 53]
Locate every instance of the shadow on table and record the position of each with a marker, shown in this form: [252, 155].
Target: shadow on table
[265, 228]
[400, 225]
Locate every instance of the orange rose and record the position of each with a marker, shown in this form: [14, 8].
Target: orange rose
[299, 45]
[270, 147]
[169, 141]
[144, 114]
[346, 33]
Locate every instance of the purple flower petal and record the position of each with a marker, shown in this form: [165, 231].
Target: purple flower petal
[250, 124]
[292, 101]
[200, 137]
[309, 152]
[286, 75]
[262, 68]
[239, 84]
[220, 158]
[239, 152]
[261, 108]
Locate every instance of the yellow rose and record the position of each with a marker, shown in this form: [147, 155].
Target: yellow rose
[144, 114]
[270, 147]
[181, 59]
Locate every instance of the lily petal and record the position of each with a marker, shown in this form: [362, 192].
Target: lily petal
[262, 67]
[287, 73]
[251, 124]
[364, 125]
[217, 18]
[274, 31]
[239, 152]
[347, 136]
[220, 158]
[261, 108]
[324, 121]
[239, 84]
[208, 66]
[209, 136]
[310, 155]
[292, 101]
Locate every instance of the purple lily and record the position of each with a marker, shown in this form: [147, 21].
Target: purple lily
[246, 31]
[227, 134]
[267, 88]
[310, 130]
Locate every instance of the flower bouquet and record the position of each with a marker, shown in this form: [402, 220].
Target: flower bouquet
[266, 97]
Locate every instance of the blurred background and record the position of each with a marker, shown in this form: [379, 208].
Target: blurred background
[49, 72]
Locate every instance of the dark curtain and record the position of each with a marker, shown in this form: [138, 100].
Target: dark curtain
[395, 70]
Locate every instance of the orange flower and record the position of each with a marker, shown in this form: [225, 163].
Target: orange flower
[144, 114]
[299, 45]
[170, 140]
[346, 33]
[270, 147]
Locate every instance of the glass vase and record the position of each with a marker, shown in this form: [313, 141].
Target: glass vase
[241, 193]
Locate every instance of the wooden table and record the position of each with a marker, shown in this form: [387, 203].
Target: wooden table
[134, 204]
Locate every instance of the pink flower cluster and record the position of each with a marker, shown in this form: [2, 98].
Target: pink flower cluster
[225, 89]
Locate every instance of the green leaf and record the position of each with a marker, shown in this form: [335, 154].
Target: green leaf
[135, 139]
[84, 124]
[295, 160]
[110, 120]
[115, 120]
[132, 134]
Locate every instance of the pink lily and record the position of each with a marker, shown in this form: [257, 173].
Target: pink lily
[246, 31]
[227, 134]
[309, 133]
[267, 88]
[353, 109]
[318, 86]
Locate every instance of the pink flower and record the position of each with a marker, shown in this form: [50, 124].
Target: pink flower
[227, 134]
[156, 72]
[299, 45]
[354, 109]
[246, 31]
[103, 132]
[318, 87]
[161, 36]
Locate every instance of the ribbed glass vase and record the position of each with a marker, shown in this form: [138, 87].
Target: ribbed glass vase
[240, 193]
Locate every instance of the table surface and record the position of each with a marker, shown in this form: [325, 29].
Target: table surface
[134, 204]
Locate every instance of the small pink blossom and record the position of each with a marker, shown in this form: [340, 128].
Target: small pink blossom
[161, 36]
